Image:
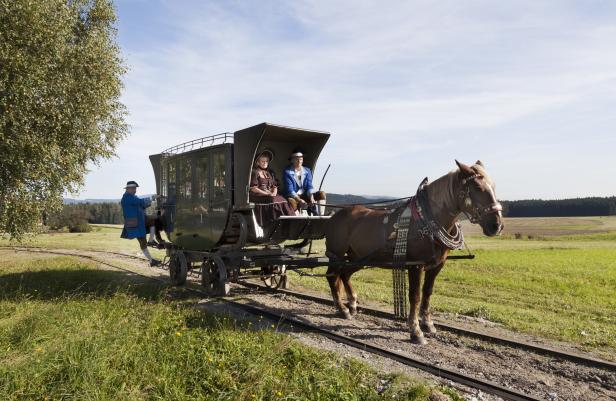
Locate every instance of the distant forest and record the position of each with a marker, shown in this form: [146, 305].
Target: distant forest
[110, 212]
[525, 208]
[560, 208]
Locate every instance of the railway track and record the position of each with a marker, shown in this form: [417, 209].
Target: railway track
[286, 318]
[586, 360]
[578, 358]
[457, 377]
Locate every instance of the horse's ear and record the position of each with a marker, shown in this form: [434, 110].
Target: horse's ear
[479, 163]
[465, 169]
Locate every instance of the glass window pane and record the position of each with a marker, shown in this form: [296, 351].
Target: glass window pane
[185, 179]
[202, 177]
[171, 178]
[219, 172]
[163, 179]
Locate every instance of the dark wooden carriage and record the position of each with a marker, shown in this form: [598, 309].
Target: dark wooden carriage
[203, 187]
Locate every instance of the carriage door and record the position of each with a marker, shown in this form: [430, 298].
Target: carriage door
[220, 185]
[202, 197]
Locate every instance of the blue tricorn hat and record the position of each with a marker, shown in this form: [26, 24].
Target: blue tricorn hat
[131, 184]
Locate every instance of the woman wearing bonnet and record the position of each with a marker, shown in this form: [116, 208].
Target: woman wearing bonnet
[264, 191]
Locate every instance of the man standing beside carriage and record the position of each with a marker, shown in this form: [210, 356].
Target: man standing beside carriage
[133, 209]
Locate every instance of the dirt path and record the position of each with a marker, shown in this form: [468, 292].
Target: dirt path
[530, 373]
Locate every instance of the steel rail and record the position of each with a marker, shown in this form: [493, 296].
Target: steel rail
[581, 359]
[484, 385]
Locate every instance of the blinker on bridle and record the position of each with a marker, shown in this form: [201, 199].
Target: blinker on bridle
[477, 211]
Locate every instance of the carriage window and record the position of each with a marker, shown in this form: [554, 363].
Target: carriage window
[202, 171]
[163, 180]
[171, 178]
[219, 172]
[185, 179]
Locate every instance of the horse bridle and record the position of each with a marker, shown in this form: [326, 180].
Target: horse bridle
[477, 212]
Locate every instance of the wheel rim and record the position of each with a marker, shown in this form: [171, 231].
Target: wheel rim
[273, 276]
[214, 277]
[208, 273]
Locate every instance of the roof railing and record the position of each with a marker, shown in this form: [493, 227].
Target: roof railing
[218, 139]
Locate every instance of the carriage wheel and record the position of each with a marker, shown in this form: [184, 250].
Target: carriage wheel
[178, 268]
[274, 276]
[214, 276]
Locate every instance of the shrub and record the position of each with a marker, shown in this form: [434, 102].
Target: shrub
[80, 227]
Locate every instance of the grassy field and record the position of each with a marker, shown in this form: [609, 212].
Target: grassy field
[69, 330]
[551, 277]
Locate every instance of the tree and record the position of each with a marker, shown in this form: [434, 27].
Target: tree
[60, 84]
[75, 218]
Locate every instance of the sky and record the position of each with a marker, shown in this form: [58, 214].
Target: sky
[404, 87]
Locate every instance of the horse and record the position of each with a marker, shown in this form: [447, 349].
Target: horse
[358, 234]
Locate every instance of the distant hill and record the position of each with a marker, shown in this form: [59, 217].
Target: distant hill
[348, 199]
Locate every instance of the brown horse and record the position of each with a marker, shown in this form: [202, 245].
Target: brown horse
[358, 234]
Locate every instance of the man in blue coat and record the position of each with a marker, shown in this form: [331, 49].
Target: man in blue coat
[133, 209]
[298, 188]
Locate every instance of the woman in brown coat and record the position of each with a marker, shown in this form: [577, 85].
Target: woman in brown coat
[264, 192]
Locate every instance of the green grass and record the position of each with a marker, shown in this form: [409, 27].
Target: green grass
[103, 237]
[71, 331]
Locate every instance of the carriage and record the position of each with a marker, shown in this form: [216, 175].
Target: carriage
[203, 199]
[203, 188]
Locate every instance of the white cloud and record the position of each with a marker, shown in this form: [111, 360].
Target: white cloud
[403, 87]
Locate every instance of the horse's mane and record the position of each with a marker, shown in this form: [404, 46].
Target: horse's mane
[441, 194]
[482, 171]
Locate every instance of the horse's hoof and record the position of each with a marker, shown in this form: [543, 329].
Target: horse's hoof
[352, 309]
[428, 328]
[347, 315]
[419, 340]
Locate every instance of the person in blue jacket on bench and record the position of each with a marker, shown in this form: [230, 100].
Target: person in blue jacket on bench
[298, 189]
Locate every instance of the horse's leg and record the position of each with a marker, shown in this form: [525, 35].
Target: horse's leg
[334, 280]
[424, 311]
[350, 292]
[415, 275]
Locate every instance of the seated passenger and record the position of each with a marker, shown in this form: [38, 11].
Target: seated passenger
[264, 191]
[298, 186]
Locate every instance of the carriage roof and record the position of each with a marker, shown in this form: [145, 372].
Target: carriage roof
[248, 143]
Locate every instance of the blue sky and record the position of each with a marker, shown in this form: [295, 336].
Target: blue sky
[528, 87]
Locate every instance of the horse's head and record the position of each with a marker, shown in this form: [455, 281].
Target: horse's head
[477, 198]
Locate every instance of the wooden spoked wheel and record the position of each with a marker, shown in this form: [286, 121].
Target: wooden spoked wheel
[274, 276]
[214, 276]
[178, 268]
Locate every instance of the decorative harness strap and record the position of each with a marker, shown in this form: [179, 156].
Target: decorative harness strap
[418, 210]
[399, 270]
